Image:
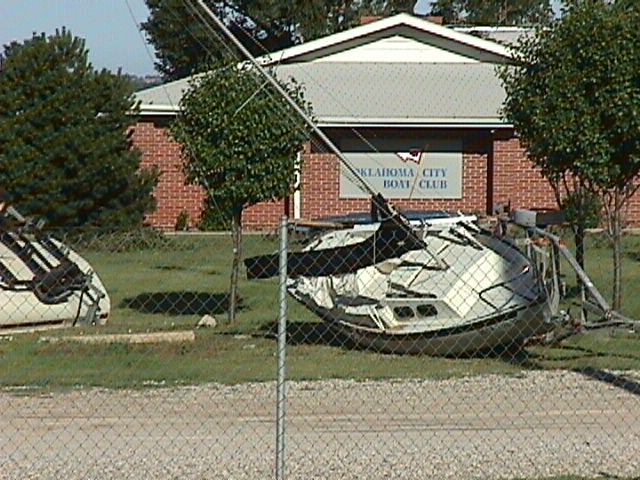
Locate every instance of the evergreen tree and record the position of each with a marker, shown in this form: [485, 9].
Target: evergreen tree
[386, 8]
[65, 148]
[182, 41]
[185, 41]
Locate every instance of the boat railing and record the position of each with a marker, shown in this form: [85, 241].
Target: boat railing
[506, 284]
[597, 303]
[54, 275]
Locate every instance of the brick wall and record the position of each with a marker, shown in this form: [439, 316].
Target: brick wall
[515, 179]
[266, 216]
[632, 211]
[495, 171]
[321, 184]
[172, 195]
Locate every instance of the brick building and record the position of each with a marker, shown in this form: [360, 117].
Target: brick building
[413, 105]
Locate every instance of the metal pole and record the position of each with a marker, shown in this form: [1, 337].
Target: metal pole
[611, 317]
[586, 281]
[281, 408]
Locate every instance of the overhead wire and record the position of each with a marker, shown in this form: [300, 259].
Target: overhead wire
[195, 12]
[139, 30]
[400, 221]
[187, 26]
[350, 170]
[299, 110]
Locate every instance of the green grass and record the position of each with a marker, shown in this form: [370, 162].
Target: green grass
[172, 286]
[599, 266]
[212, 358]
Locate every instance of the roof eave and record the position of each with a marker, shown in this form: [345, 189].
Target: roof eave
[153, 109]
[484, 123]
[150, 110]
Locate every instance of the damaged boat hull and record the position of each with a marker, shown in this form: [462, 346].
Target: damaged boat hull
[493, 335]
[456, 291]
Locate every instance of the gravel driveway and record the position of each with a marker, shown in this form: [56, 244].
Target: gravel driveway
[536, 424]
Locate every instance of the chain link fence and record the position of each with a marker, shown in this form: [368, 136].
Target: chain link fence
[398, 347]
[424, 349]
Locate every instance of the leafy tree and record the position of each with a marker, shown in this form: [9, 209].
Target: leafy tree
[182, 40]
[240, 141]
[494, 12]
[65, 151]
[574, 99]
[185, 43]
[583, 209]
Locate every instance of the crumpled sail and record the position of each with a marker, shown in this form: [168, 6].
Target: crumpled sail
[449, 288]
[42, 281]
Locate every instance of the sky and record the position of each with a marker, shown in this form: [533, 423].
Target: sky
[109, 27]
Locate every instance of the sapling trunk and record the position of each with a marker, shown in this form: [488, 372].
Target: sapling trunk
[236, 235]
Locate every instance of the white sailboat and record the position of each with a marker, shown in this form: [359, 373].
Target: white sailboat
[44, 283]
[454, 289]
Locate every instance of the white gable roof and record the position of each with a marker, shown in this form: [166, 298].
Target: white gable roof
[401, 70]
[397, 49]
[403, 25]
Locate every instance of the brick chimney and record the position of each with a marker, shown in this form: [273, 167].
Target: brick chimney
[439, 19]
[364, 20]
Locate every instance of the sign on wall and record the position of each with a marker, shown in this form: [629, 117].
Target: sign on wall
[433, 174]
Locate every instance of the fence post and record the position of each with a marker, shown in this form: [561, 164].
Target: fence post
[281, 410]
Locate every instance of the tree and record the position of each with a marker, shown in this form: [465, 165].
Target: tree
[182, 41]
[574, 99]
[494, 12]
[240, 140]
[385, 8]
[65, 149]
[185, 43]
